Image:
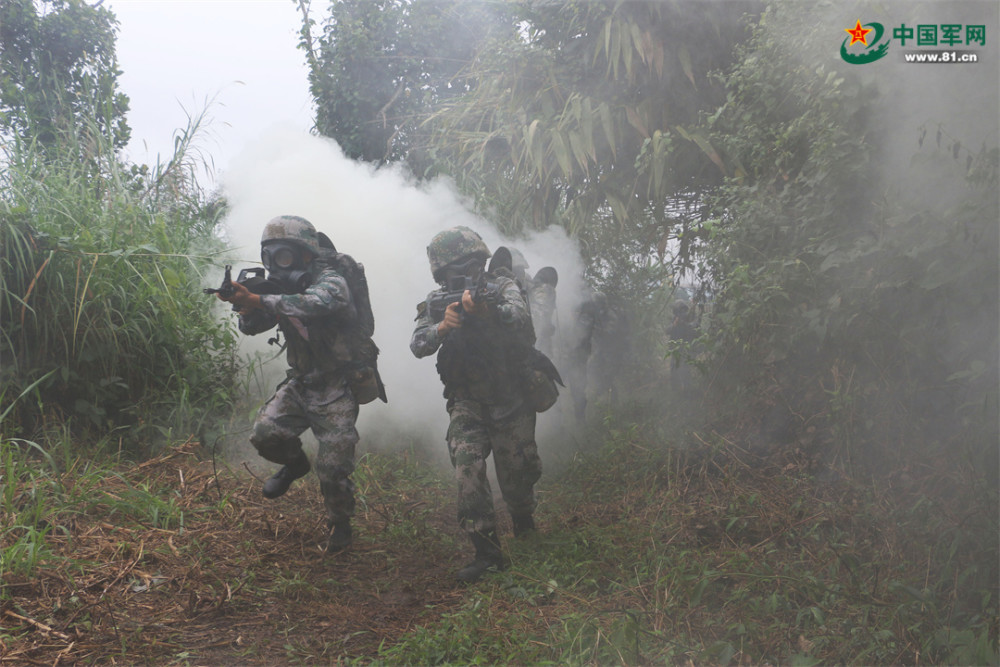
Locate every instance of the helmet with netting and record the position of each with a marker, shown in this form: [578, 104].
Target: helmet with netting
[292, 229]
[455, 246]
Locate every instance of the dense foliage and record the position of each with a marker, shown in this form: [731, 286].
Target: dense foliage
[834, 298]
[104, 327]
[104, 323]
[584, 120]
[859, 313]
[855, 312]
[378, 68]
[838, 503]
[578, 114]
[59, 70]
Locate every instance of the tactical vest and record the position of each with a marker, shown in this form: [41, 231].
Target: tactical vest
[479, 361]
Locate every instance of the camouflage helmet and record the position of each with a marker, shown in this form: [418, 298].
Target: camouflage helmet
[292, 229]
[452, 246]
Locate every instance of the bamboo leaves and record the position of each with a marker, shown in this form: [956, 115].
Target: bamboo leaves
[703, 143]
[586, 106]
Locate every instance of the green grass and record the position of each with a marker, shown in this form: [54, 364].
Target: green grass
[646, 554]
[106, 329]
[655, 556]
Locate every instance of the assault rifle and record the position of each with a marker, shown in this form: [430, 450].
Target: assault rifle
[225, 290]
[482, 290]
[252, 278]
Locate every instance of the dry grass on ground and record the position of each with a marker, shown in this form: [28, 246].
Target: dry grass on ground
[241, 580]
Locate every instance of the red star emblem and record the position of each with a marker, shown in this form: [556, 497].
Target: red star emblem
[858, 34]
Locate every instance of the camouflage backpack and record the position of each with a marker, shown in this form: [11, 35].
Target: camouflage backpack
[362, 372]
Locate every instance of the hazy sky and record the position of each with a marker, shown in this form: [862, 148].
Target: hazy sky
[179, 55]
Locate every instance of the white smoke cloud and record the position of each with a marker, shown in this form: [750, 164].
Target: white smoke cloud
[385, 221]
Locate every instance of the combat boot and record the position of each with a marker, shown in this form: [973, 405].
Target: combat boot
[488, 557]
[524, 524]
[278, 483]
[340, 536]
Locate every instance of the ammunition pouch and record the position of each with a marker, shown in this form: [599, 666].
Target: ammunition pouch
[538, 381]
[364, 383]
[540, 391]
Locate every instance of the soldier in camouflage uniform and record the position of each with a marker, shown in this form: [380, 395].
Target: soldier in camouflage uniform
[543, 308]
[682, 328]
[475, 343]
[541, 292]
[311, 313]
[599, 350]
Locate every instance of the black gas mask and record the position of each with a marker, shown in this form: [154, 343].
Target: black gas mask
[287, 265]
[456, 274]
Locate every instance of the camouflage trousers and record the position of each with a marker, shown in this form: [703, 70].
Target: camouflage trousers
[472, 435]
[331, 411]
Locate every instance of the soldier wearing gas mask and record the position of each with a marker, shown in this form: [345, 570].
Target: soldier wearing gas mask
[477, 344]
[312, 307]
[541, 293]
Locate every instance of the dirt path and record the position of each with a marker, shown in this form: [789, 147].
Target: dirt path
[243, 581]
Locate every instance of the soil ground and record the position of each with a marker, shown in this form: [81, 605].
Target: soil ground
[244, 581]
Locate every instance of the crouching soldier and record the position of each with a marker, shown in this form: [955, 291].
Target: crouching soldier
[477, 336]
[312, 304]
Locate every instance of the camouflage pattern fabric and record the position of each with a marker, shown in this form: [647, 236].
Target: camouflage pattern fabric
[599, 350]
[313, 324]
[543, 313]
[511, 312]
[487, 413]
[473, 434]
[293, 229]
[315, 394]
[331, 412]
[484, 347]
[452, 245]
[682, 328]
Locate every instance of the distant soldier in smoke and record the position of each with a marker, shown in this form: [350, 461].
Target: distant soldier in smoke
[598, 349]
[543, 307]
[477, 339]
[541, 291]
[681, 329]
[308, 295]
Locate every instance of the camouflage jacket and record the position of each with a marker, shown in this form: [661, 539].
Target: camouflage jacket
[543, 308]
[313, 324]
[481, 360]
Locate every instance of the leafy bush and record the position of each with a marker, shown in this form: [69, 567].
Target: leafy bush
[855, 325]
[100, 296]
[857, 319]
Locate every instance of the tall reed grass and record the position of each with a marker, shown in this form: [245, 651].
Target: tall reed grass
[103, 325]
